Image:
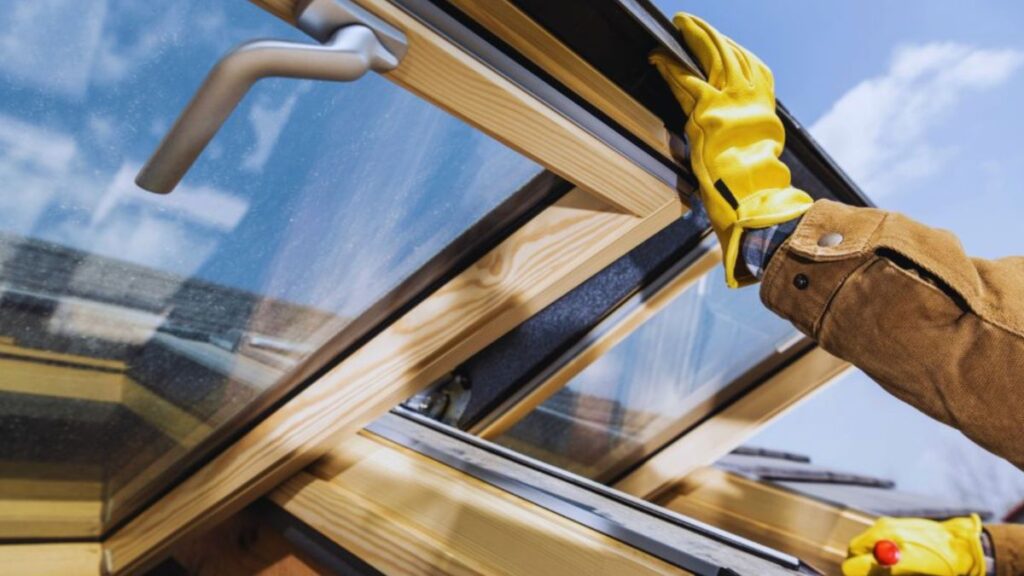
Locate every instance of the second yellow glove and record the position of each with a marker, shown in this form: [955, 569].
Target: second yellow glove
[926, 547]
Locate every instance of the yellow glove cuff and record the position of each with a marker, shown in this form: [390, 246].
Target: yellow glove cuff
[763, 209]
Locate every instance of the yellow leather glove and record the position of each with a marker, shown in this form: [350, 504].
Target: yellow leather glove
[735, 139]
[950, 548]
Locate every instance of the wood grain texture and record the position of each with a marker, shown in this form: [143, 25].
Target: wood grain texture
[10, 349]
[446, 521]
[455, 81]
[508, 22]
[29, 488]
[565, 244]
[50, 518]
[601, 345]
[815, 531]
[51, 559]
[741, 420]
[37, 378]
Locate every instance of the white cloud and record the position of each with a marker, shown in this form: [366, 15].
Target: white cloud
[39, 148]
[201, 205]
[34, 162]
[34, 57]
[267, 123]
[124, 48]
[47, 176]
[879, 130]
[97, 41]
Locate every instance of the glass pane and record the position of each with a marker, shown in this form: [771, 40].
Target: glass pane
[133, 325]
[640, 394]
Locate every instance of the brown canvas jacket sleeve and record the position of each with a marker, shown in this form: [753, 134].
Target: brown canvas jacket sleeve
[905, 304]
[1008, 544]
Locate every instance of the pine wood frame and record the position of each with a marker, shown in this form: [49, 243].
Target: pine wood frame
[50, 559]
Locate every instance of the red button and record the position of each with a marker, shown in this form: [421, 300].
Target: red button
[887, 553]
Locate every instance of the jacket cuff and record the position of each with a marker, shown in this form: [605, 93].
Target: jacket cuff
[1008, 544]
[805, 273]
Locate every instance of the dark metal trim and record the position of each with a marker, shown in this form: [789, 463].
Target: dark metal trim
[654, 21]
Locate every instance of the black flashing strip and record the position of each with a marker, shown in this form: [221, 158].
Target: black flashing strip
[476, 46]
[648, 16]
[391, 428]
[770, 453]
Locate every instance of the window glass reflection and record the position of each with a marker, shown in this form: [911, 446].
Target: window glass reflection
[133, 325]
[643, 392]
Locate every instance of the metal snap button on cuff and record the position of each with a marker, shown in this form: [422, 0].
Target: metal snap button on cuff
[801, 281]
[831, 239]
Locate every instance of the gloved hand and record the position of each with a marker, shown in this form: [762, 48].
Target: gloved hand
[735, 139]
[950, 548]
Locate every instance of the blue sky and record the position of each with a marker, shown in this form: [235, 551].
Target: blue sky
[919, 101]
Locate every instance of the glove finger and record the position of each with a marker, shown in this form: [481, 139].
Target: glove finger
[860, 565]
[712, 53]
[685, 85]
[761, 74]
[864, 542]
[885, 528]
[745, 69]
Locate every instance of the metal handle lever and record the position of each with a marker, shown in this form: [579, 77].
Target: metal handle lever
[348, 53]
